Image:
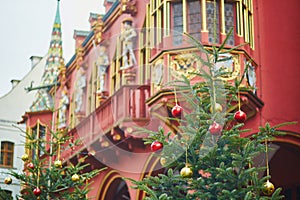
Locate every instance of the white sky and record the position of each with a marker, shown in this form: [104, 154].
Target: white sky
[25, 30]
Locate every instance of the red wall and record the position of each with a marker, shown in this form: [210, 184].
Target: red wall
[279, 47]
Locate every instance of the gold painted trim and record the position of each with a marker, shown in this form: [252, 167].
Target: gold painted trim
[37, 125]
[159, 26]
[165, 18]
[142, 175]
[117, 175]
[246, 28]
[168, 68]
[108, 184]
[146, 166]
[222, 5]
[241, 18]
[252, 32]
[286, 141]
[204, 25]
[184, 17]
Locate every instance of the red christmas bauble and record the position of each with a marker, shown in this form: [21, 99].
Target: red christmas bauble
[30, 165]
[155, 146]
[37, 191]
[176, 111]
[215, 128]
[240, 116]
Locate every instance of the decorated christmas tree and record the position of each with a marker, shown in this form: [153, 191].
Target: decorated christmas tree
[48, 176]
[203, 154]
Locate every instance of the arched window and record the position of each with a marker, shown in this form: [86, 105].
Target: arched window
[7, 154]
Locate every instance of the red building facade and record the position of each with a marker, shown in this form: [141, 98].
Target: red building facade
[113, 83]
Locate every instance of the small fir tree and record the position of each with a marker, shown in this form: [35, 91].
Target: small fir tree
[46, 176]
[205, 157]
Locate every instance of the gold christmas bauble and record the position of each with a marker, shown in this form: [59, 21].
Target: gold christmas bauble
[268, 188]
[186, 172]
[163, 161]
[8, 180]
[75, 178]
[25, 157]
[58, 164]
[218, 108]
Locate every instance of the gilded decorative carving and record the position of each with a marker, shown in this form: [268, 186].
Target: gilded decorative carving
[184, 64]
[129, 7]
[230, 64]
[79, 55]
[98, 28]
[62, 71]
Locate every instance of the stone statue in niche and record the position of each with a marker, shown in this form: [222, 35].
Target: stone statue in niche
[80, 86]
[102, 63]
[62, 109]
[127, 38]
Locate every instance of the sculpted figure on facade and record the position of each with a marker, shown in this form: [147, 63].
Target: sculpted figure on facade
[80, 86]
[128, 36]
[102, 63]
[62, 109]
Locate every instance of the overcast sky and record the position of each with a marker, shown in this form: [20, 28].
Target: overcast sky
[25, 30]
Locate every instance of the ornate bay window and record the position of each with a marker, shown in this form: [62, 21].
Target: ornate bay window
[215, 17]
[160, 20]
[37, 135]
[245, 26]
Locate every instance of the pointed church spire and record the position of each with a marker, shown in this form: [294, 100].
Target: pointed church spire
[57, 16]
[53, 65]
[55, 53]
